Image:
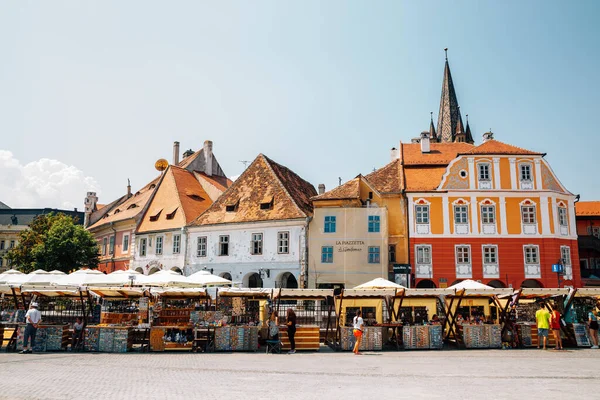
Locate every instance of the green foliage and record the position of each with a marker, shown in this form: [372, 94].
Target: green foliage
[54, 241]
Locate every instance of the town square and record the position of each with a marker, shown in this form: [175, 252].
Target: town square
[299, 199]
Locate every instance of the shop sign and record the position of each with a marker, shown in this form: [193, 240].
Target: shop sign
[401, 268]
[344, 246]
[557, 268]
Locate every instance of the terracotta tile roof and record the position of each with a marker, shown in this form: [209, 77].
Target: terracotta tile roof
[387, 179]
[349, 190]
[263, 182]
[220, 182]
[179, 199]
[130, 208]
[100, 206]
[587, 208]
[423, 178]
[440, 154]
[496, 147]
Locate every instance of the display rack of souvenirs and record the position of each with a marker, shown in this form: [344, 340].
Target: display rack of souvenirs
[481, 336]
[582, 335]
[47, 338]
[372, 339]
[105, 340]
[525, 333]
[236, 338]
[40, 339]
[422, 337]
[92, 338]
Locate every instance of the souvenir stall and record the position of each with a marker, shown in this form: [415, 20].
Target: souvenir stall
[583, 301]
[12, 312]
[241, 312]
[415, 309]
[314, 311]
[175, 318]
[123, 320]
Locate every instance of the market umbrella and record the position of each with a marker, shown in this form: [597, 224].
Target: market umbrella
[469, 284]
[82, 277]
[38, 278]
[206, 278]
[379, 283]
[121, 278]
[11, 273]
[168, 278]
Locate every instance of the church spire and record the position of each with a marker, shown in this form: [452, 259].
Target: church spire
[449, 114]
[468, 135]
[432, 134]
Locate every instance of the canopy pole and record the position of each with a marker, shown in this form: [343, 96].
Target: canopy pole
[83, 308]
[338, 329]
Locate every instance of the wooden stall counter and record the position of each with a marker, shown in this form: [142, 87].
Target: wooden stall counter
[307, 338]
[172, 337]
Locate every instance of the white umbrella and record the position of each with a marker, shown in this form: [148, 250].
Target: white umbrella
[9, 274]
[38, 277]
[206, 278]
[379, 283]
[469, 284]
[121, 278]
[82, 277]
[167, 278]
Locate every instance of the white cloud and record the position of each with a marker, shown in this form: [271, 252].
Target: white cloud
[43, 183]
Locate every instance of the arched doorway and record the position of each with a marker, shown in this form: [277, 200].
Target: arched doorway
[287, 280]
[253, 280]
[456, 281]
[226, 275]
[496, 284]
[531, 283]
[140, 270]
[426, 284]
[178, 270]
[153, 270]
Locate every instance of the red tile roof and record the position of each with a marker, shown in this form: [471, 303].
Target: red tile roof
[496, 147]
[440, 154]
[387, 179]
[419, 179]
[587, 208]
[349, 190]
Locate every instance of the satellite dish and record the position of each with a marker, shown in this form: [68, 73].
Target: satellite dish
[161, 164]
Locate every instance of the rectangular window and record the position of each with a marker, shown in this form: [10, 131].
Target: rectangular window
[125, 243]
[256, 246]
[1, 244]
[463, 255]
[159, 245]
[104, 244]
[111, 245]
[422, 213]
[562, 216]
[484, 172]
[424, 255]
[374, 223]
[1, 261]
[327, 254]
[528, 214]
[12, 244]
[525, 172]
[596, 231]
[531, 255]
[329, 224]
[565, 255]
[490, 254]
[142, 247]
[201, 247]
[488, 214]
[176, 244]
[224, 245]
[392, 253]
[374, 256]
[461, 215]
[283, 242]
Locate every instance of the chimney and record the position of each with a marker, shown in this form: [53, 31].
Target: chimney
[188, 153]
[208, 157]
[128, 188]
[321, 188]
[175, 153]
[394, 154]
[488, 136]
[425, 145]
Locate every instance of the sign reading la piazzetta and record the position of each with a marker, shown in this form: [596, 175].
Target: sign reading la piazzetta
[344, 246]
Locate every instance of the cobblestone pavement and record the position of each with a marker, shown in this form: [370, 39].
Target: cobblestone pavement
[472, 374]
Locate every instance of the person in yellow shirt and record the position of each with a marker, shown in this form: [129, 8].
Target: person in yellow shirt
[542, 317]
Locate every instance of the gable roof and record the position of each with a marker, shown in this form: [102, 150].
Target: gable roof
[387, 179]
[496, 147]
[348, 190]
[440, 153]
[587, 208]
[263, 182]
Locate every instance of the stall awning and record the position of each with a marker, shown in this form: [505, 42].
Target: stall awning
[588, 292]
[358, 293]
[427, 292]
[302, 293]
[52, 291]
[541, 293]
[7, 289]
[179, 292]
[116, 292]
[245, 292]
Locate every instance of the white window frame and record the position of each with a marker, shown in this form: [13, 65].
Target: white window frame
[104, 245]
[456, 254]
[563, 220]
[223, 240]
[176, 243]
[488, 171]
[457, 213]
[201, 246]
[523, 166]
[537, 254]
[125, 244]
[143, 247]
[530, 213]
[484, 255]
[485, 214]
[111, 244]
[423, 254]
[422, 214]
[158, 248]
[565, 255]
[283, 242]
[256, 244]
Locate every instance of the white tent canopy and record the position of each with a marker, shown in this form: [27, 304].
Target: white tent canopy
[168, 278]
[82, 277]
[38, 277]
[206, 278]
[6, 275]
[379, 283]
[121, 278]
[469, 284]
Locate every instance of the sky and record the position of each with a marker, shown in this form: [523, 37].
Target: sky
[93, 93]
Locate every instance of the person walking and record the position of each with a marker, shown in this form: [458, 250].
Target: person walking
[32, 319]
[593, 324]
[358, 331]
[291, 329]
[555, 326]
[542, 317]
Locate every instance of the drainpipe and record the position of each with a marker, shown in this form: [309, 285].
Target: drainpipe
[308, 219]
[185, 234]
[112, 258]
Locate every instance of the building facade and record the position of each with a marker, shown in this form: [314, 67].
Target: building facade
[255, 233]
[588, 231]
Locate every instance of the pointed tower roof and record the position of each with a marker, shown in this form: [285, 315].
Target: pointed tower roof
[432, 134]
[468, 135]
[449, 114]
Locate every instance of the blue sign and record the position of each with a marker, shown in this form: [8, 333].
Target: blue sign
[557, 268]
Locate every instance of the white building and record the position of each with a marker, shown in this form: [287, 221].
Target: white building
[255, 233]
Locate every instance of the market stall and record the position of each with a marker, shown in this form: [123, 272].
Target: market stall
[12, 312]
[416, 309]
[314, 312]
[583, 301]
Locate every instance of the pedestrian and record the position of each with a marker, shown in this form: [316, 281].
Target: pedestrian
[291, 329]
[274, 326]
[593, 324]
[358, 331]
[542, 317]
[77, 340]
[555, 326]
[32, 320]
[435, 320]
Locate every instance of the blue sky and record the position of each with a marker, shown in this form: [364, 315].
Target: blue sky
[100, 90]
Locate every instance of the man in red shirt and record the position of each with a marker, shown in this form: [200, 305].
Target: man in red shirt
[555, 326]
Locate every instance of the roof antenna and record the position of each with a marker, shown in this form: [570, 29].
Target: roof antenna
[245, 162]
[446, 50]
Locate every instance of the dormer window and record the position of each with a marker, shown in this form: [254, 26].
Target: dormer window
[172, 215]
[267, 204]
[484, 175]
[155, 216]
[232, 207]
[196, 197]
[117, 211]
[131, 206]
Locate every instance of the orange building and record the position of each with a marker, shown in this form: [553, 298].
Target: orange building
[588, 231]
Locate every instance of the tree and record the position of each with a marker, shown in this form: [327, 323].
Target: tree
[54, 241]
